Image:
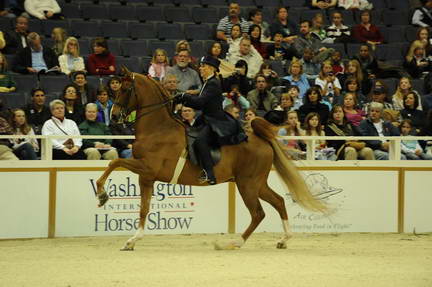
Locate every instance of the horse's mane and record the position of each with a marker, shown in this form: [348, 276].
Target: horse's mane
[164, 95]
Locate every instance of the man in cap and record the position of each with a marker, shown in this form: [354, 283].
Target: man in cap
[219, 127]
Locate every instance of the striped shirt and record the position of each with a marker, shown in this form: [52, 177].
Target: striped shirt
[225, 25]
[334, 32]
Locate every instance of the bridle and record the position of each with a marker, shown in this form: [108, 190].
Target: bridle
[131, 92]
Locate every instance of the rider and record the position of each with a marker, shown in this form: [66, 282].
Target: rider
[219, 127]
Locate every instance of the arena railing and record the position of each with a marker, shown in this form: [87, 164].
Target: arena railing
[394, 149]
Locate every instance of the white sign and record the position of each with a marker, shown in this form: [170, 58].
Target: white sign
[365, 201]
[24, 204]
[418, 201]
[175, 209]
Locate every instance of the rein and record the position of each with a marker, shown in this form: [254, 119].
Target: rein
[131, 93]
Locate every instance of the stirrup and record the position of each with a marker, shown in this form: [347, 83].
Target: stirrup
[205, 179]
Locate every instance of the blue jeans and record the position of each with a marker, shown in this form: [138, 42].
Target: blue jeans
[384, 155]
[126, 153]
[26, 152]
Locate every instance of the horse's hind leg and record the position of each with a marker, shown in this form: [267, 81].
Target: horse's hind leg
[146, 189]
[277, 201]
[249, 192]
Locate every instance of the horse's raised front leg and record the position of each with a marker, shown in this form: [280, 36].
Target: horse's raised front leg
[101, 193]
[146, 194]
[135, 165]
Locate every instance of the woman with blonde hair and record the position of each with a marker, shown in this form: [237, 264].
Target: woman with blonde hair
[416, 63]
[24, 149]
[292, 128]
[328, 82]
[404, 88]
[70, 61]
[354, 70]
[297, 77]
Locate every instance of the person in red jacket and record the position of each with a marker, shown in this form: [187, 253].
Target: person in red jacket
[101, 62]
[366, 32]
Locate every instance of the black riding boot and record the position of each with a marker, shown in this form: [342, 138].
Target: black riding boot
[203, 149]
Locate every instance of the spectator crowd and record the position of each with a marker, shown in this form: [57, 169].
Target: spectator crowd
[295, 74]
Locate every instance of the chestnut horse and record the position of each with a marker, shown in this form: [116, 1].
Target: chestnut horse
[161, 141]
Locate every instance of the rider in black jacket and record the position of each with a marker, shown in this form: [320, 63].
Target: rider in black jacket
[219, 127]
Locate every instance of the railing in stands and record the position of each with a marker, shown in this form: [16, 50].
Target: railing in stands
[394, 150]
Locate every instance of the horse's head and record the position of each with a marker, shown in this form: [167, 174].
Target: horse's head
[126, 101]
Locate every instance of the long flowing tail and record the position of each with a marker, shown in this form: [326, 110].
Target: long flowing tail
[286, 169]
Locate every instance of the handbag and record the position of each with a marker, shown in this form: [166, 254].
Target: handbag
[69, 143]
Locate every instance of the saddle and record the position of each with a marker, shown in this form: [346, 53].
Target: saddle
[192, 134]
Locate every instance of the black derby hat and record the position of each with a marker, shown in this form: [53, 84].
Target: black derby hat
[210, 61]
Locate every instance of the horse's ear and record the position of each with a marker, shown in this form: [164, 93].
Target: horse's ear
[125, 71]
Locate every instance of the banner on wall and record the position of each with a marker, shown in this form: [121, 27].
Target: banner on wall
[174, 209]
[24, 204]
[364, 201]
[418, 201]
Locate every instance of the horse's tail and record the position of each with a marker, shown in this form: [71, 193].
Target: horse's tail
[286, 169]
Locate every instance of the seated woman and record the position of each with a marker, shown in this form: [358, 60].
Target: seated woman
[70, 61]
[59, 125]
[313, 105]
[255, 36]
[329, 83]
[417, 64]
[236, 36]
[297, 77]
[423, 36]
[216, 50]
[294, 148]
[101, 62]
[104, 105]
[7, 83]
[286, 103]
[23, 148]
[352, 86]
[366, 32]
[355, 70]
[95, 149]
[74, 108]
[337, 32]
[353, 113]
[410, 111]
[403, 89]
[339, 126]
[86, 91]
[239, 78]
[313, 127]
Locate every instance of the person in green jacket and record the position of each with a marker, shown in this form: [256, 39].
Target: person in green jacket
[95, 149]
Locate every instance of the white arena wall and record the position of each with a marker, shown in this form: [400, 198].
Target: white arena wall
[46, 199]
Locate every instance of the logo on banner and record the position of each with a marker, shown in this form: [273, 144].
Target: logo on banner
[321, 189]
[172, 207]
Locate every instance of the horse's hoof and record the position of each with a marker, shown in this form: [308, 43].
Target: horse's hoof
[126, 248]
[281, 245]
[103, 198]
